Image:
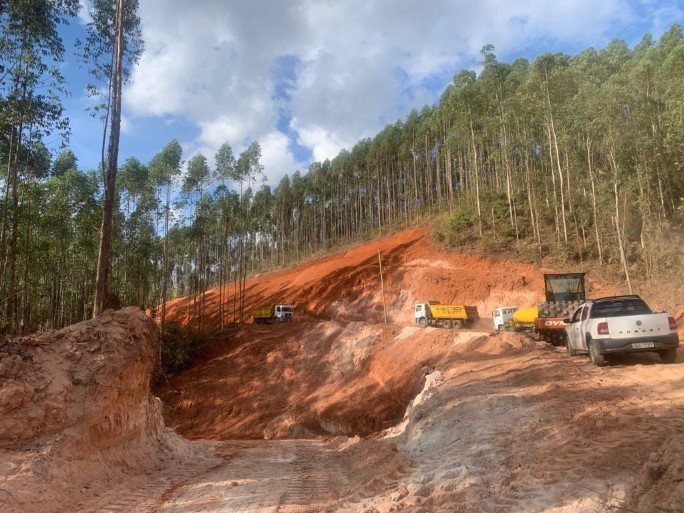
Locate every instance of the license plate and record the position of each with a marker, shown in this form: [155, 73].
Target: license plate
[642, 345]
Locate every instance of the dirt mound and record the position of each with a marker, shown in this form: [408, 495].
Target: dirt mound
[76, 409]
[659, 487]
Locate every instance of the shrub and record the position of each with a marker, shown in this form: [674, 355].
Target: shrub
[179, 347]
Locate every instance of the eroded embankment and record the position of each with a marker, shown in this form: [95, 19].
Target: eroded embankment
[305, 379]
[76, 409]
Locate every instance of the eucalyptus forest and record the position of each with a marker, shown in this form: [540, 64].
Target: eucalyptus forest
[579, 156]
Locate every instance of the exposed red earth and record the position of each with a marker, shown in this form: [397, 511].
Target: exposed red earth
[340, 412]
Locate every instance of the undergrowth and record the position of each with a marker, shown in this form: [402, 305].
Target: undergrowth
[180, 345]
[654, 258]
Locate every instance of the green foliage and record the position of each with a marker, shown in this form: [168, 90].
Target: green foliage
[180, 346]
[557, 158]
[462, 220]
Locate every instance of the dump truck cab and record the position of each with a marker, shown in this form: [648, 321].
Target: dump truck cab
[502, 315]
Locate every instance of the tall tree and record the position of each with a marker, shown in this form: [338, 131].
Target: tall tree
[164, 167]
[114, 43]
[30, 109]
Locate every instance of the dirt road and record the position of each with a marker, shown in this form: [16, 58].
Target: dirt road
[504, 424]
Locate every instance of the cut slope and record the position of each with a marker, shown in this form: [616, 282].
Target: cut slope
[305, 379]
[346, 285]
[346, 373]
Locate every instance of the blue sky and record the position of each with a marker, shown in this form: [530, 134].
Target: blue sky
[307, 78]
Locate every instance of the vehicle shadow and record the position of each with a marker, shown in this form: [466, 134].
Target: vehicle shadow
[631, 359]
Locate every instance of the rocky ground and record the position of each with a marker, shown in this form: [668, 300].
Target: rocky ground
[340, 412]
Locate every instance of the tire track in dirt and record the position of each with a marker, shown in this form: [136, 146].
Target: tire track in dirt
[260, 477]
[144, 493]
[314, 481]
[605, 444]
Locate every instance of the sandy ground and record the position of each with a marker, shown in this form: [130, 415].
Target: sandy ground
[339, 412]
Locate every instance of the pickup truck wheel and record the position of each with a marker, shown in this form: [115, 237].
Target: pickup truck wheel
[668, 355]
[597, 359]
[571, 350]
[422, 322]
[458, 324]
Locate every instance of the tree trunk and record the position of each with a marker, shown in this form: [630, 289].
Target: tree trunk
[476, 175]
[105, 246]
[593, 200]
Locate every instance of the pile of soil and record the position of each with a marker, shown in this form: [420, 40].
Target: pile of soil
[76, 409]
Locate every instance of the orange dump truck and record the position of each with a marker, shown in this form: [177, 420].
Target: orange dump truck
[434, 313]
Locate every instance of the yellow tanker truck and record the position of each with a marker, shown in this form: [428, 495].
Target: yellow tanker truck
[511, 318]
[434, 313]
[523, 319]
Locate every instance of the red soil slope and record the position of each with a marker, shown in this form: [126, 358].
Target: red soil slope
[346, 285]
[338, 369]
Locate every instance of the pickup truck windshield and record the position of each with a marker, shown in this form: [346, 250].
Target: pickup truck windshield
[619, 308]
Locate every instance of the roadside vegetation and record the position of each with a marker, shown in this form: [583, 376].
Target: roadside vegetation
[575, 159]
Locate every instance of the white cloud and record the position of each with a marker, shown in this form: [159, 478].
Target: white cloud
[324, 143]
[84, 12]
[276, 157]
[358, 64]
[126, 125]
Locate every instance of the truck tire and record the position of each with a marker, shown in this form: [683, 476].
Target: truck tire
[597, 359]
[558, 339]
[458, 324]
[447, 324]
[668, 355]
[571, 350]
[422, 322]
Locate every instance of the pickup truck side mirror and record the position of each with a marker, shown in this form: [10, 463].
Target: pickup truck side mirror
[567, 320]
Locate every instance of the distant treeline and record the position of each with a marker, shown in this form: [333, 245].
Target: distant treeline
[581, 155]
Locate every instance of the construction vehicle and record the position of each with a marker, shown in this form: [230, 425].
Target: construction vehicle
[502, 317]
[273, 313]
[564, 294]
[434, 313]
[523, 319]
[512, 318]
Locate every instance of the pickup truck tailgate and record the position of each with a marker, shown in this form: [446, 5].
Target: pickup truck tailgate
[638, 326]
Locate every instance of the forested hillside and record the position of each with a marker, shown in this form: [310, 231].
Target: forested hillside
[577, 156]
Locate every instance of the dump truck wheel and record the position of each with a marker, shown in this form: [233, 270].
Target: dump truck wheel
[447, 324]
[423, 322]
[458, 324]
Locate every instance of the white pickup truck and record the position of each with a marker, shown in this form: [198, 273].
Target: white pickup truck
[620, 324]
